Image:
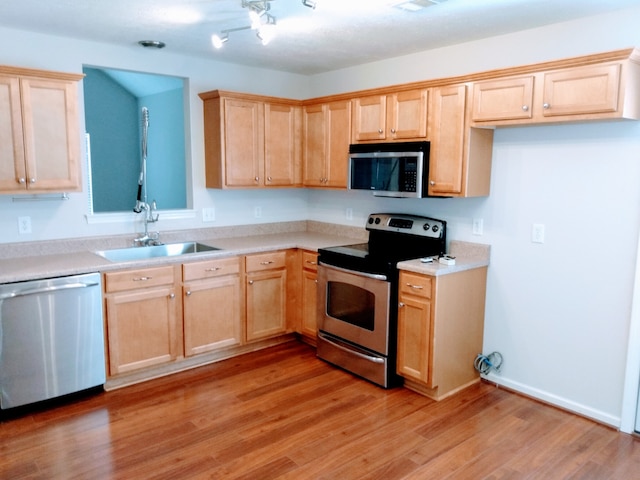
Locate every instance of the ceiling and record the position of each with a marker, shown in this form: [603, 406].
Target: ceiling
[334, 35]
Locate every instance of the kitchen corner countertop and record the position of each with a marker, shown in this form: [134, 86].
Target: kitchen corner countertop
[77, 262]
[467, 256]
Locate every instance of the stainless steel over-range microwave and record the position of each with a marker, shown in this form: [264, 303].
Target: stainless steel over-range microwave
[390, 169]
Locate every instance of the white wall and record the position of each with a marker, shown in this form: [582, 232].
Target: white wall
[559, 311]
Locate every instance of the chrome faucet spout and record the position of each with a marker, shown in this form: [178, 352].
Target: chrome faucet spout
[148, 239]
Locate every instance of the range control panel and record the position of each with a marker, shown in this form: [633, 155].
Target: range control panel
[407, 224]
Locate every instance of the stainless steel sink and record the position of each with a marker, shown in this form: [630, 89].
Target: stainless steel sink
[141, 253]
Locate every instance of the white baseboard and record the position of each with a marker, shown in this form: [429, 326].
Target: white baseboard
[555, 400]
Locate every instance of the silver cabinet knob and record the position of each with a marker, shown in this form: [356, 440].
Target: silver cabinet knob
[269, 179]
[188, 293]
[22, 180]
[525, 108]
[380, 130]
[400, 304]
[250, 282]
[32, 180]
[172, 296]
[257, 179]
[393, 130]
[432, 183]
[546, 106]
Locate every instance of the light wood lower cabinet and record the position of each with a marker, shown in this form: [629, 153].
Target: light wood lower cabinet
[142, 315]
[308, 323]
[265, 287]
[440, 330]
[212, 302]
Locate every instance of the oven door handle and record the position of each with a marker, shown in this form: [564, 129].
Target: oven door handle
[375, 276]
[350, 351]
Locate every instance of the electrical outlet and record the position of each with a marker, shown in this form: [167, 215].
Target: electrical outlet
[257, 212]
[24, 225]
[537, 233]
[348, 213]
[478, 225]
[208, 214]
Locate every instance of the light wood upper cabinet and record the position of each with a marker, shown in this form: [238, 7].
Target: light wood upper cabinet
[326, 138]
[250, 141]
[504, 99]
[399, 116]
[585, 90]
[460, 156]
[39, 131]
[591, 92]
[439, 336]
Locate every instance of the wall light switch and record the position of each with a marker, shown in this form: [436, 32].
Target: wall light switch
[348, 213]
[208, 214]
[478, 224]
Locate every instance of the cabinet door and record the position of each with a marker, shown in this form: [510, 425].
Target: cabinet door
[51, 132]
[243, 143]
[314, 153]
[414, 338]
[338, 118]
[446, 167]
[141, 328]
[369, 118]
[281, 145]
[408, 115]
[266, 303]
[12, 162]
[505, 99]
[582, 90]
[212, 318]
[309, 294]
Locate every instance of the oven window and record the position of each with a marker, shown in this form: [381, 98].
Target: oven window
[351, 304]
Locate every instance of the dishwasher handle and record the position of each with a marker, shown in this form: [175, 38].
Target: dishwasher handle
[51, 288]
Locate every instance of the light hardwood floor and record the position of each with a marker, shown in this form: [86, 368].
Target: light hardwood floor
[282, 413]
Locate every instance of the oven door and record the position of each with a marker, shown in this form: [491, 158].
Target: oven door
[355, 307]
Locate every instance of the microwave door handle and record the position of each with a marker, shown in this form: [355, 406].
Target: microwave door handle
[369, 358]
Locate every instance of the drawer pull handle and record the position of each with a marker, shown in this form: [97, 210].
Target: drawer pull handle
[312, 263]
[212, 269]
[417, 287]
[141, 279]
[268, 262]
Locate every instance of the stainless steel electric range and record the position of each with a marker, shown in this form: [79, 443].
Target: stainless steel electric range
[358, 293]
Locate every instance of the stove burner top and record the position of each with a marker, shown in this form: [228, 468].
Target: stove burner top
[392, 238]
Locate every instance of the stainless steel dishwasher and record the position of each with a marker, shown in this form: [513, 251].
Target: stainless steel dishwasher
[51, 338]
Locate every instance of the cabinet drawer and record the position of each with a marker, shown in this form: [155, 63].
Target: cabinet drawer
[266, 261]
[210, 268]
[415, 284]
[310, 261]
[139, 278]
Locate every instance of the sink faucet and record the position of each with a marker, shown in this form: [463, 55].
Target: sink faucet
[148, 239]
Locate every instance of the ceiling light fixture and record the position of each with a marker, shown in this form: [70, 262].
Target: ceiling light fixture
[309, 3]
[260, 20]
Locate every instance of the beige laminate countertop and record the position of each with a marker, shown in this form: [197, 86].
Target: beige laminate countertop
[76, 262]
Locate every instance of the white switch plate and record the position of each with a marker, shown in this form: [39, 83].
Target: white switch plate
[537, 233]
[478, 225]
[257, 212]
[209, 214]
[24, 225]
[348, 213]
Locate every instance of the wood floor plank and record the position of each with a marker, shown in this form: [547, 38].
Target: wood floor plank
[282, 413]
